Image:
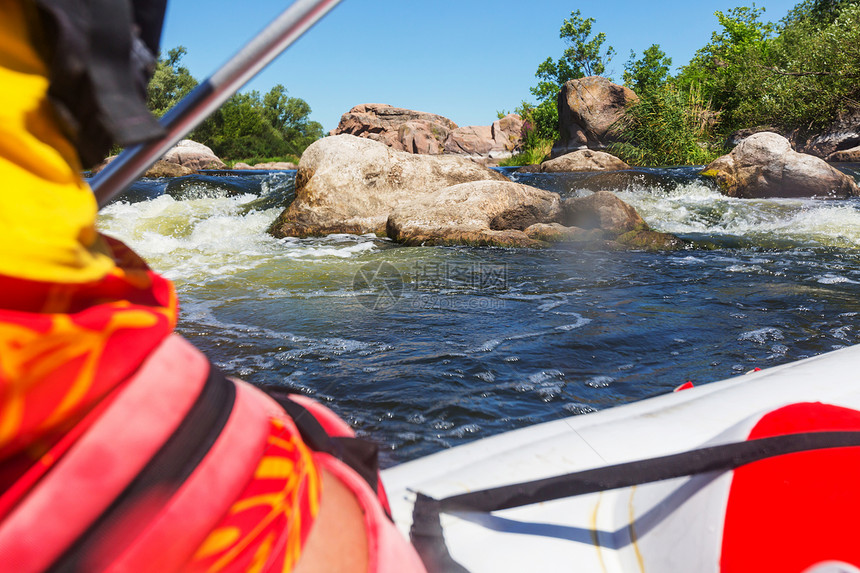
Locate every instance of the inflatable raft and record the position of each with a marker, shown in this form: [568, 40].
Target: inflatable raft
[754, 473]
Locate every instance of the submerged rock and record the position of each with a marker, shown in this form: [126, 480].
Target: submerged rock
[617, 221]
[649, 240]
[193, 155]
[348, 184]
[602, 210]
[475, 213]
[582, 160]
[764, 165]
[558, 233]
[587, 109]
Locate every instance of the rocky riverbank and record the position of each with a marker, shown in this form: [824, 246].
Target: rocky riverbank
[430, 134]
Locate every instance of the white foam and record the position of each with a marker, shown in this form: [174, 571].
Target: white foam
[762, 335]
[544, 376]
[215, 236]
[599, 381]
[831, 279]
[696, 208]
[580, 322]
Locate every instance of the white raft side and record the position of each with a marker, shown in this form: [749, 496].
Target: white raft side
[593, 532]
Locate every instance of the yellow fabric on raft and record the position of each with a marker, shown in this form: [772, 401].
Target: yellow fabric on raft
[47, 212]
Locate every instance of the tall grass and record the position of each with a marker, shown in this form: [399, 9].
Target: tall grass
[534, 154]
[667, 126]
[536, 145]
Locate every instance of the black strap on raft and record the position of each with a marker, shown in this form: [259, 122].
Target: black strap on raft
[359, 454]
[427, 534]
[101, 55]
[103, 541]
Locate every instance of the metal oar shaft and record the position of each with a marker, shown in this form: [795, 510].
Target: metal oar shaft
[209, 95]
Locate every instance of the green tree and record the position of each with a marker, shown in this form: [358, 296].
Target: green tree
[248, 125]
[648, 72]
[251, 126]
[290, 117]
[817, 13]
[170, 83]
[584, 56]
[722, 65]
[808, 73]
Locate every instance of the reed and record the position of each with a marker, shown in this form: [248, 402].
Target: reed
[667, 126]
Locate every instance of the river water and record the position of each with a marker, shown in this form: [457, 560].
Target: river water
[426, 348]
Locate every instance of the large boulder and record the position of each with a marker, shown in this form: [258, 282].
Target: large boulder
[475, 213]
[398, 128]
[587, 109]
[349, 184]
[193, 155]
[582, 160]
[764, 165]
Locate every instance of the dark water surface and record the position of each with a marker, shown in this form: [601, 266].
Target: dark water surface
[427, 348]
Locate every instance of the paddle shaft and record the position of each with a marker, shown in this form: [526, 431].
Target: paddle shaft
[209, 95]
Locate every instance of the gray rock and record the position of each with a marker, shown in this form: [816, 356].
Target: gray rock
[735, 138]
[842, 134]
[587, 109]
[348, 184]
[582, 160]
[193, 155]
[845, 156]
[163, 168]
[764, 165]
[159, 169]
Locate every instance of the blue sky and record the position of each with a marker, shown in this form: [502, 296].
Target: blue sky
[463, 59]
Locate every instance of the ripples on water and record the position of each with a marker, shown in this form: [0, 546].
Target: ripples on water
[445, 345]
